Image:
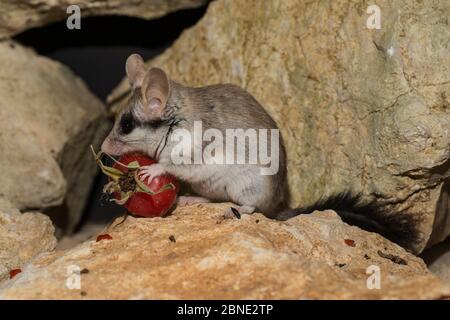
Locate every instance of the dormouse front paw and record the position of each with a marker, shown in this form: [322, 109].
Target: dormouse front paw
[150, 172]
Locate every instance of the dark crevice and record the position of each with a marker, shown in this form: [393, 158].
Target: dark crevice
[97, 52]
[442, 216]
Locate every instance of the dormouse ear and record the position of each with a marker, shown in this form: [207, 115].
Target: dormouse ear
[135, 69]
[155, 90]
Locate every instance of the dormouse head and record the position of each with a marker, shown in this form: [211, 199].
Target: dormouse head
[141, 125]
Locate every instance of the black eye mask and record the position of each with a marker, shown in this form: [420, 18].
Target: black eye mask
[127, 123]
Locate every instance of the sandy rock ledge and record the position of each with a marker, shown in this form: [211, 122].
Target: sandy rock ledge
[23, 236]
[196, 253]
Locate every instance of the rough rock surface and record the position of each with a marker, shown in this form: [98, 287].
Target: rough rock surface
[48, 119]
[360, 110]
[22, 237]
[196, 253]
[17, 16]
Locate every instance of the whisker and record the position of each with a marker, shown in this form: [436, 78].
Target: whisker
[135, 141]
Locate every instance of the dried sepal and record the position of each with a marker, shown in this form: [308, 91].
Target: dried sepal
[113, 187]
[134, 165]
[111, 172]
[124, 197]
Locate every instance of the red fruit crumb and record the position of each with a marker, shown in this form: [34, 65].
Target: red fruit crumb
[350, 242]
[14, 272]
[105, 236]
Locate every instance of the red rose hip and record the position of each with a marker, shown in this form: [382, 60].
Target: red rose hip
[143, 198]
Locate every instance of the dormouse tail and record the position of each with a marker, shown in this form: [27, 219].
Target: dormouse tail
[398, 227]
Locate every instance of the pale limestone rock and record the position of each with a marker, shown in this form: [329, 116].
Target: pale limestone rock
[365, 111]
[22, 237]
[197, 254]
[17, 16]
[48, 119]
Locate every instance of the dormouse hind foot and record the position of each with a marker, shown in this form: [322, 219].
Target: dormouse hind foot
[238, 211]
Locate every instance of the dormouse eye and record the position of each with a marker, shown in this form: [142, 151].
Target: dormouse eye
[126, 123]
